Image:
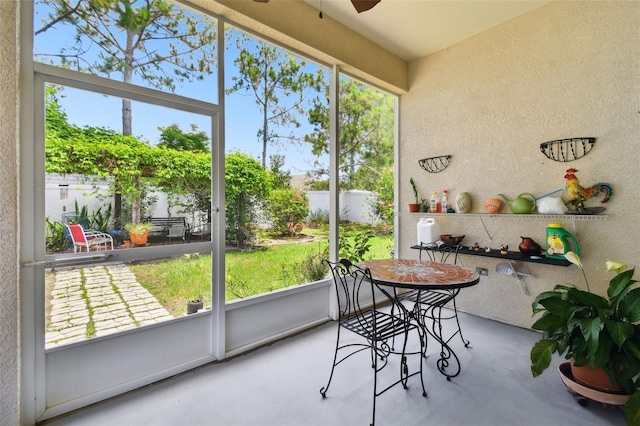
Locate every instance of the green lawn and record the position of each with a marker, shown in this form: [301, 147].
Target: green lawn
[174, 281]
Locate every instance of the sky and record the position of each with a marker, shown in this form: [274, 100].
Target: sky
[243, 118]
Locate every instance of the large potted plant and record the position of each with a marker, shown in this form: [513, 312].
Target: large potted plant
[592, 330]
[138, 232]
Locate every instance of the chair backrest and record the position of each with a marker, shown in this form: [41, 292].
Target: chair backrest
[354, 288]
[176, 231]
[441, 253]
[77, 233]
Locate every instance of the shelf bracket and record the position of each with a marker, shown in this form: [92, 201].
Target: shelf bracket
[510, 268]
[486, 231]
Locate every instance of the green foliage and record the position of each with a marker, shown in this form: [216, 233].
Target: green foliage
[56, 241]
[287, 207]
[278, 178]
[318, 217]
[384, 207]
[173, 137]
[366, 137]
[311, 267]
[247, 188]
[239, 287]
[138, 228]
[152, 41]
[355, 247]
[134, 165]
[101, 221]
[593, 330]
[414, 188]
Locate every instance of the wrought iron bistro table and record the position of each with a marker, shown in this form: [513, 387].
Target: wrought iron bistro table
[417, 275]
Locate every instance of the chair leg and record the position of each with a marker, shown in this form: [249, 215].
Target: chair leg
[324, 389]
[375, 382]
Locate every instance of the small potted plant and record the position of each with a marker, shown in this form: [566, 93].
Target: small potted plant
[194, 305]
[414, 207]
[594, 331]
[138, 232]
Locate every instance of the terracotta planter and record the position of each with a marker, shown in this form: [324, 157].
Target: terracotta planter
[595, 379]
[139, 239]
[413, 208]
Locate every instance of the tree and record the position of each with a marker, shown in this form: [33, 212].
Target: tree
[278, 178]
[157, 42]
[278, 83]
[173, 137]
[134, 164]
[247, 188]
[366, 133]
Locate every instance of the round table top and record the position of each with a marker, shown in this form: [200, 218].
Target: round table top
[414, 274]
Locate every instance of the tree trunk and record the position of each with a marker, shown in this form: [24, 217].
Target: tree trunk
[127, 118]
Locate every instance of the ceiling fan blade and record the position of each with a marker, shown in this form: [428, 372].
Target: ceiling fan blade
[360, 5]
[364, 5]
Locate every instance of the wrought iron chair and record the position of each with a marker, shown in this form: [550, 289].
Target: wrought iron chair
[429, 303]
[359, 313]
[88, 239]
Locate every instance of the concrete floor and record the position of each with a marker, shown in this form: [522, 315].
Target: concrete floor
[279, 385]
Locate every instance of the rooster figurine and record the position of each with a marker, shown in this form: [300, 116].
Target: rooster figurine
[578, 194]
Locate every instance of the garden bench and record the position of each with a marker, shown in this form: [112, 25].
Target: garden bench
[168, 227]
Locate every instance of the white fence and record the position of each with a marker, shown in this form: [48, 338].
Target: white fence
[355, 206]
[63, 191]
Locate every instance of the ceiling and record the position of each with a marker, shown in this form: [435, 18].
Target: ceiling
[412, 29]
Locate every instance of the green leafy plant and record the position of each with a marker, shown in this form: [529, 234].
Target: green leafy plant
[311, 267]
[138, 228]
[416, 195]
[287, 207]
[318, 217]
[56, 240]
[198, 299]
[247, 187]
[100, 220]
[383, 207]
[356, 248]
[593, 330]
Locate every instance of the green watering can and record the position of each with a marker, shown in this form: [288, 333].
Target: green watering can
[520, 204]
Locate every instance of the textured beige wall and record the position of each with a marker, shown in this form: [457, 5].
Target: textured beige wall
[568, 69]
[9, 384]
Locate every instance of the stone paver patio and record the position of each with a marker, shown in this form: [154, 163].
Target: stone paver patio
[99, 300]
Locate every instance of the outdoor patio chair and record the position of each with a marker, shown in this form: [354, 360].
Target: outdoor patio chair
[88, 239]
[380, 331]
[429, 303]
[176, 231]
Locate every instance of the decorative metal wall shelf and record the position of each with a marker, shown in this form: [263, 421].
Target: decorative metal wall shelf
[435, 164]
[565, 150]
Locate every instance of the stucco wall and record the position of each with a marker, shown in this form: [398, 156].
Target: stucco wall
[568, 69]
[9, 385]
